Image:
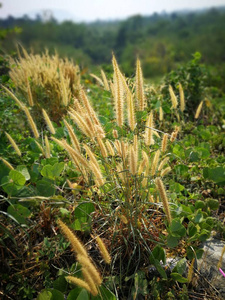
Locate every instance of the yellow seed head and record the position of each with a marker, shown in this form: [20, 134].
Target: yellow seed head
[165, 171]
[48, 122]
[163, 196]
[155, 162]
[144, 163]
[141, 100]
[182, 100]
[103, 250]
[77, 281]
[132, 161]
[148, 130]
[163, 162]
[173, 97]
[118, 93]
[102, 147]
[98, 177]
[88, 265]
[198, 111]
[75, 243]
[29, 93]
[110, 148]
[40, 147]
[47, 148]
[31, 122]
[105, 81]
[115, 134]
[13, 143]
[73, 137]
[160, 114]
[89, 279]
[7, 163]
[164, 142]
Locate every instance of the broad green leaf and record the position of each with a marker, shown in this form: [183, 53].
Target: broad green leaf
[60, 284]
[17, 177]
[180, 266]
[47, 172]
[215, 174]
[56, 295]
[191, 230]
[176, 187]
[172, 241]
[212, 204]
[194, 156]
[199, 204]
[57, 169]
[203, 153]
[45, 295]
[45, 188]
[19, 212]
[159, 254]
[10, 187]
[74, 293]
[177, 229]
[24, 171]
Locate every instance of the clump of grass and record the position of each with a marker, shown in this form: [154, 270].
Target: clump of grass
[45, 81]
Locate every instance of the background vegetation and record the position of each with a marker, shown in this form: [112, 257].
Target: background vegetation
[162, 41]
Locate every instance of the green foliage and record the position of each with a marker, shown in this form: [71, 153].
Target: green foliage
[128, 215]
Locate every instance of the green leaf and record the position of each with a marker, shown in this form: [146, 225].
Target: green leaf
[199, 204]
[17, 177]
[51, 172]
[10, 187]
[172, 241]
[45, 188]
[60, 284]
[212, 204]
[203, 152]
[45, 295]
[199, 217]
[204, 235]
[191, 230]
[215, 174]
[19, 212]
[177, 229]
[57, 169]
[178, 277]
[176, 187]
[82, 216]
[82, 295]
[56, 295]
[194, 156]
[180, 266]
[47, 172]
[159, 254]
[24, 171]
[158, 266]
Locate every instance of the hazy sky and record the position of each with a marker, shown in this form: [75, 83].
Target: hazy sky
[89, 10]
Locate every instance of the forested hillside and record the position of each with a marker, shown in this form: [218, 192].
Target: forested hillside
[161, 40]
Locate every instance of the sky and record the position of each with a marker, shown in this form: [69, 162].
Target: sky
[91, 10]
